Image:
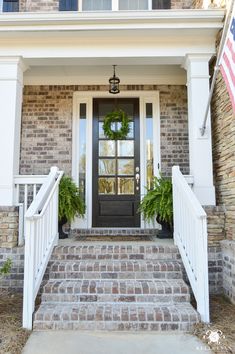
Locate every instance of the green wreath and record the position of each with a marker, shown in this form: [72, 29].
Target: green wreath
[117, 116]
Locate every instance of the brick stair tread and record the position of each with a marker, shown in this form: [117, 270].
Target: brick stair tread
[116, 316]
[116, 265]
[116, 291]
[133, 250]
[136, 247]
[119, 286]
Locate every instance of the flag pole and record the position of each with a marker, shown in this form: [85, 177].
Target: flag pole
[217, 64]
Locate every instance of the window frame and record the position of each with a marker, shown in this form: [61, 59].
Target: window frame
[114, 7]
[6, 1]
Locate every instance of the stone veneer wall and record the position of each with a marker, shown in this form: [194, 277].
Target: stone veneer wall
[53, 5]
[9, 224]
[47, 127]
[223, 142]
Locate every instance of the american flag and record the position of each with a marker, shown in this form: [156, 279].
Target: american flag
[227, 65]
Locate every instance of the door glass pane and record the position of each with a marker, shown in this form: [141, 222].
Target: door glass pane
[131, 131]
[96, 5]
[125, 185]
[133, 4]
[107, 185]
[101, 131]
[107, 148]
[149, 144]
[106, 167]
[125, 148]
[126, 167]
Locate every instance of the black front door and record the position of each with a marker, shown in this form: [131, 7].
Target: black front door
[116, 167]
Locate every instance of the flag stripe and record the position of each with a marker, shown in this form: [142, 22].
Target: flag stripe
[230, 69]
[228, 87]
[227, 65]
[230, 47]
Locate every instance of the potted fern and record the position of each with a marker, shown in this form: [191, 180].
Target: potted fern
[158, 203]
[70, 203]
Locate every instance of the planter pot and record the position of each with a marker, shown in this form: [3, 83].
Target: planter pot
[166, 231]
[62, 234]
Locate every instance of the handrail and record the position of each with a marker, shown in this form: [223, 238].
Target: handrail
[41, 235]
[190, 235]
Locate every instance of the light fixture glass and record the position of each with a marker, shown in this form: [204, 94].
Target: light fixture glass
[114, 82]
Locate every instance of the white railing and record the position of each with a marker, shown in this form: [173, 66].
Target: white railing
[190, 235]
[26, 189]
[41, 234]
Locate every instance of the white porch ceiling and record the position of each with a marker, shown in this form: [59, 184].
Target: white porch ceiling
[96, 74]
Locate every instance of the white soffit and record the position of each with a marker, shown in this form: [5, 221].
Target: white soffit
[99, 75]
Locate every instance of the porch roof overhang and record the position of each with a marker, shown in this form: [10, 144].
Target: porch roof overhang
[131, 38]
[85, 21]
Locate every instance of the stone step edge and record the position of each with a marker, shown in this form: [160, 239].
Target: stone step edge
[177, 327]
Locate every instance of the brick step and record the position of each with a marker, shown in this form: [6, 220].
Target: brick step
[115, 316]
[115, 251]
[121, 269]
[116, 291]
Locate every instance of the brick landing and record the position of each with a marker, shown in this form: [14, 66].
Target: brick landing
[116, 286]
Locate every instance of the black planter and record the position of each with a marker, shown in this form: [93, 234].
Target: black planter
[166, 231]
[62, 234]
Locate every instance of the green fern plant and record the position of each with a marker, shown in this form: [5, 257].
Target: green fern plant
[70, 200]
[158, 202]
[5, 270]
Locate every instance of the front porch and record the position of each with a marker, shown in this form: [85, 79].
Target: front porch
[55, 82]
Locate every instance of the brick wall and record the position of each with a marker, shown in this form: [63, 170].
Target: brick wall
[47, 127]
[228, 254]
[53, 5]
[14, 281]
[9, 220]
[39, 5]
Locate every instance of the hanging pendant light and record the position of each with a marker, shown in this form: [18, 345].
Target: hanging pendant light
[114, 82]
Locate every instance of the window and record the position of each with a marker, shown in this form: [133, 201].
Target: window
[133, 4]
[10, 6]
[161, 4]
[68, 5]
[112, 5]
[94, 5]
[149, 145]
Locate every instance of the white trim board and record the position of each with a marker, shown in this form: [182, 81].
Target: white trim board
[87, 97]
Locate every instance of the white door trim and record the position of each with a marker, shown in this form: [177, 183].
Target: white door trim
[87, 97]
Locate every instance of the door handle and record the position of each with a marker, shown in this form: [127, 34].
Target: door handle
[137, 177]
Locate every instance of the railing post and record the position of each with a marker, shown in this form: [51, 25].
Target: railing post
[28, 300]
[175, 169]
[203, 287]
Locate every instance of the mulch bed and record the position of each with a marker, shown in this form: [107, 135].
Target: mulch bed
[12, 336]
[222, 319]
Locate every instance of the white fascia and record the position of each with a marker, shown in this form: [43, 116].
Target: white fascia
[68, 21]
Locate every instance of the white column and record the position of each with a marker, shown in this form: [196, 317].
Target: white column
[200, 149]
[11, 87]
